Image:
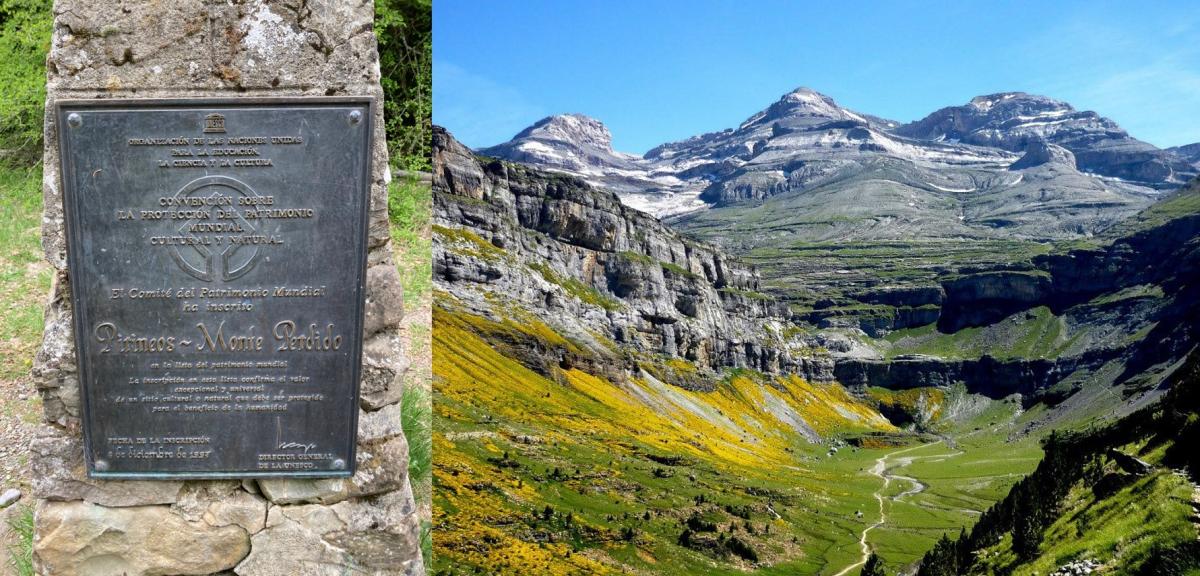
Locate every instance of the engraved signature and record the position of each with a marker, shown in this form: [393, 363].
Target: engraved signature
[295, 445]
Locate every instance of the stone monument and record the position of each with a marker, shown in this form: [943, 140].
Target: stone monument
[360, 523]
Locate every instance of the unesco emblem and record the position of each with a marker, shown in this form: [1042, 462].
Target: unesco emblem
[214, 123]
[218, 243]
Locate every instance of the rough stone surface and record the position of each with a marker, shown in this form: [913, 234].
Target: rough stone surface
[365, 537]
[56, 458]
[383, 370]
[384, 545]
[290, 546]
[383, 306]
[199, 48]
[382, 467]
[302, 490]
[379, 425]
[222, 503]
[87, 539]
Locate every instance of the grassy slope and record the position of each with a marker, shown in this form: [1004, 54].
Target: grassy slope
[1118, 530]
[804, 272]
[1035, 333]
[501, 430]
[1184, 202]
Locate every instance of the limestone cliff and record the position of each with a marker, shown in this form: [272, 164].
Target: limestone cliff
[510, 236]
[517, 242]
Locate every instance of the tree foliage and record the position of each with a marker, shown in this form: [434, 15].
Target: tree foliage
[873, 567]
[1033, 503]
[404, 31]
[24, 40]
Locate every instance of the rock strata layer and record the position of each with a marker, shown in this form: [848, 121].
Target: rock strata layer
[596, 266]
[514, 242]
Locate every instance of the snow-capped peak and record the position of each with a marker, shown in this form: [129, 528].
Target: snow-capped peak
[575, 129]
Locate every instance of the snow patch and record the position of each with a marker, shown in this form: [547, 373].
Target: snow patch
[537, 148]
[932, 185]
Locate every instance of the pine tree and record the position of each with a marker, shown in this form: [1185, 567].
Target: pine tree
[964, 551]
[873, 567]
[1026, 530]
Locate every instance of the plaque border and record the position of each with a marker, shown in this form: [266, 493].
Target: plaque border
[62, 107]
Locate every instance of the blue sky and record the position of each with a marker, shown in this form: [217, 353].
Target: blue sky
[661, 70]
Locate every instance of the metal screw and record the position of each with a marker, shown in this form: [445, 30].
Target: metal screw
[74, 120]
[339, 464]
[355, 117]
[101, 465]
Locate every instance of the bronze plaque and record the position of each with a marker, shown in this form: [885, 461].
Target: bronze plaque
[217, 251]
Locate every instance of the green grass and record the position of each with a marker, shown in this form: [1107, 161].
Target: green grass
[959, 483]
[20, 552]
[1185, 202]
[1122, 528]
[427, 543]
[637, 257]
[1036, 333]
[409, 210]
[806, 271]
[24, 277]
[677, 269]
[751, 294]
[416, 416]
[575, 288]
[499, 443]
[466, 242]
[1139, 291]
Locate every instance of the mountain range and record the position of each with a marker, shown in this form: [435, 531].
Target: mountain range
[616, 396]
[1007, 165]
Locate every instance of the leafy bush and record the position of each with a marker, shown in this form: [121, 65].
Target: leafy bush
[405, 35]
[24, 40]
[741, 549]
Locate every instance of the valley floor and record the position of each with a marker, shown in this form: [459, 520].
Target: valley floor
[567, 473]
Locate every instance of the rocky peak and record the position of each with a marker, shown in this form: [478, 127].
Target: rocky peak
[574, 129]
[805, 140]
[803, 105]
[1011, 120]
[566, 142]
[991, 118]
[804, 98]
